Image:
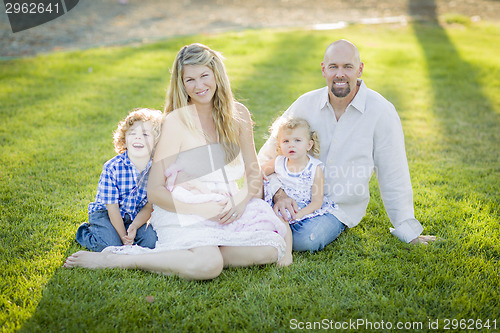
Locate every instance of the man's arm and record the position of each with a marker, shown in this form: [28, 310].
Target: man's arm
[268, 151]
[284, 206]
[393, 175]
[268, 167]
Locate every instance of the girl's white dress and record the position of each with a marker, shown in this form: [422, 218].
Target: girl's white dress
[257, 226]
[298, 186]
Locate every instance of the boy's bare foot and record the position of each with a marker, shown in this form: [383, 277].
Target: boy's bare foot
[91, 260]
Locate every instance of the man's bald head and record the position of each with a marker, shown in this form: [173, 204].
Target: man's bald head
[341, 45]
[341, 68]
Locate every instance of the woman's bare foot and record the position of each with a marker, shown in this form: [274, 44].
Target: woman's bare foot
[287, 260]
[92, 260]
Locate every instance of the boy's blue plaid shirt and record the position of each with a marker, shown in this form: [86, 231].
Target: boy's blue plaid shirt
[121, 183]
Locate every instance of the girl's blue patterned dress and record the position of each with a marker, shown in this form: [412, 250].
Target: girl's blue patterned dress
[298, 186]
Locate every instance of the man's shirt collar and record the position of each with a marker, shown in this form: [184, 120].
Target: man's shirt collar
[358, 102]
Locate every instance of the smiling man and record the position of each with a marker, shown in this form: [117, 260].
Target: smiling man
[360, 133]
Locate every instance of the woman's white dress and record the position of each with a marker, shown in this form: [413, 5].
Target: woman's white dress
[257, 226]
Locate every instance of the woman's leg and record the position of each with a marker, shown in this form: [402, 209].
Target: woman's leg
[315, 233]
[287, 258]
[202, 263]
[236, 256]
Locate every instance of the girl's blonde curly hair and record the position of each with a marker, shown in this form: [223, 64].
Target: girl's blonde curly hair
[290, 124]
[140, 114]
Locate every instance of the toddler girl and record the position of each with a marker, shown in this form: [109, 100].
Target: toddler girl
[301, 175]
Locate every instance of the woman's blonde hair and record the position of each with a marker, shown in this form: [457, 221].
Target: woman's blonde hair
[290, 124]
[140, 114]
[224, 110]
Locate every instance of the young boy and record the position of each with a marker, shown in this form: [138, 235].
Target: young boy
[120, 211]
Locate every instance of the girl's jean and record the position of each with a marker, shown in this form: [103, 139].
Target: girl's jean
[314, 233]
[99, 233]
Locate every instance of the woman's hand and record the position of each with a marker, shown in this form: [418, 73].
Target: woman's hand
[232, 211]
[211, 210]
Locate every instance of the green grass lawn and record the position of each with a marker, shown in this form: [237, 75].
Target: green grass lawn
[58, 113]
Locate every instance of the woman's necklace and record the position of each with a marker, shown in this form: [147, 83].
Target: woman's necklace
[209, 129]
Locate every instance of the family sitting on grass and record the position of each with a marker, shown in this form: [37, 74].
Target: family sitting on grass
[184, 195]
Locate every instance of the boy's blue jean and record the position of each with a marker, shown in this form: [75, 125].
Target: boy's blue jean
[99, 233]
[314, 233]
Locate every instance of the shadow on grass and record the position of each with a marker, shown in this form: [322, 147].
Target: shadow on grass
[92, 292]
[115, 300]
[469, 126]
[278, 79]
[53, 147]
[466, 124]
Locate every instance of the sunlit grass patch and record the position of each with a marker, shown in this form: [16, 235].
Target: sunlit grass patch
[59, 113]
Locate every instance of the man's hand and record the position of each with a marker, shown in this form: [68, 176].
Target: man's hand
[285, 206]
[423, 239]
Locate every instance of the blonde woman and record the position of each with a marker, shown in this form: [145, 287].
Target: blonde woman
[207, 136]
